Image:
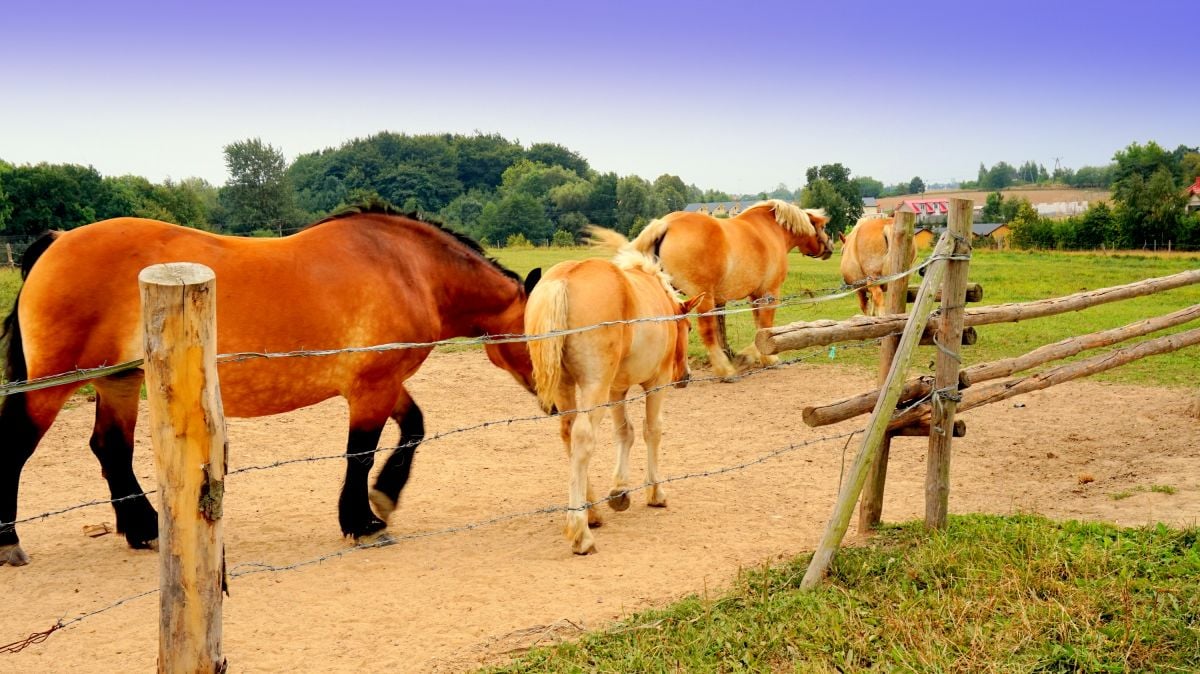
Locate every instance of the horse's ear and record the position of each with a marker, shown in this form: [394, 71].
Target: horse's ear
[532, 280]
[841, 237]
[690, 304]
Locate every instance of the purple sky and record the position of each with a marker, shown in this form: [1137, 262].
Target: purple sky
[737, 96]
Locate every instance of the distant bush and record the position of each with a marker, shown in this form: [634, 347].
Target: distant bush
[562, 239]
[517, 240]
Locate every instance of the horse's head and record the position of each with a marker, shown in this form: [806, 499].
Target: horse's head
[682, 373]
[820, 245]
[514, 356]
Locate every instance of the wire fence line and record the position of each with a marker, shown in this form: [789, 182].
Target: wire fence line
[243, 569]
[443, 434]
[81, 375]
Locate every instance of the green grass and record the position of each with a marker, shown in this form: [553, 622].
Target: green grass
[1006, 277]
[1018, 593]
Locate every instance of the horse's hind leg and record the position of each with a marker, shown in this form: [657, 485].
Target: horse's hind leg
[764, 317]
[112, 442]
[354, 509]
[618, 498]
[710, 336]
[385, 496]
[24, 418]
[722, 333]
[583, 443]
[565, 401]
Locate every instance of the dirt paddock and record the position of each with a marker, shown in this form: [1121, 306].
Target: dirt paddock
[451, 601]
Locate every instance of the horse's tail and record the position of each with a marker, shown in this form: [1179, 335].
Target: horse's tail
[546, 312]
[13, 346]
[649, 240]
[602, 237]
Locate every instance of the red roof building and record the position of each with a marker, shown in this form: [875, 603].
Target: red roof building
[1194, 192]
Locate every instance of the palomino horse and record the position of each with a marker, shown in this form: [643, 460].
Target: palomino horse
[605, 363]
[864, 255]
[356, 279]
[725, 260]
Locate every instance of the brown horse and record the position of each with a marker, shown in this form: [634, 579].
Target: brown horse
[864, 256]
[604, 363]
[725, 260]
[363, 278]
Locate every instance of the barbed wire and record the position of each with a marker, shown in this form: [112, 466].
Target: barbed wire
[81, 375]
[5, 526]
[251, 568]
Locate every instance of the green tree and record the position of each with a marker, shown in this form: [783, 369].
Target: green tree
[830, 187]
[553, 154]
[672, 194]
[464, 213]
[602, 204]
[868, 186]
[258, 194]
[54, 196]
[992, 210]
[1001, 175]
[635, 201]
[482, 159]
[5, 206]
[916, 186]
[515, 213]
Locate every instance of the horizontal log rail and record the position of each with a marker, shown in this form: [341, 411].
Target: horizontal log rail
[982, 395]
[974, 293]
[820, 333]
[847, 408]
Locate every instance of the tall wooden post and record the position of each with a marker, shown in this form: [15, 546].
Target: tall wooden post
[187, 428]
[949, 338]
[870, 508]
[918, 318]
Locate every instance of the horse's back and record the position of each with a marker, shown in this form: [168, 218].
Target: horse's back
[80, 306]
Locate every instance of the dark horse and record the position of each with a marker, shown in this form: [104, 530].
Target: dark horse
[362, 278]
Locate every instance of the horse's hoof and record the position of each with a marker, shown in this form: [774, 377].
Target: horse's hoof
[379, 539]
[149, 544]
[584, 549]
[618, 500]
[657, 498]
[13, 554]
[383, 504]
[369, 528]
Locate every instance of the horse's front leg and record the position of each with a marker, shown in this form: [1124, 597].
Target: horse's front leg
[385, 495]
[354, 509]
[656, 497]
[618, 498]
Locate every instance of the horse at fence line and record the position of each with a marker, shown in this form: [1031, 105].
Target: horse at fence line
[864, 257]
[730, 259]
[604, 363]
[360, 278]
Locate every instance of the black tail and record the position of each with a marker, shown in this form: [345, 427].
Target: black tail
[14, 348]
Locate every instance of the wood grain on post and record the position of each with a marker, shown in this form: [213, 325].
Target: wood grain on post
[946, 366]
[870, 508]
[824, 332]
[974, 293]
[857, 475]
[187, 429]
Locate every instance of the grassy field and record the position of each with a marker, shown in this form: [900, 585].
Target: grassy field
[1006, 277]
[1017, 593]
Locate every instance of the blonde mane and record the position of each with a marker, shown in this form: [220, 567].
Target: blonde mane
[790, 216]
[629, 258]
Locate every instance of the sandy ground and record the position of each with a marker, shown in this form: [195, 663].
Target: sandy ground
[448, 602]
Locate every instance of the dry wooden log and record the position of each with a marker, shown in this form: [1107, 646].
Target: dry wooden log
[974, 293]
[847, 408]
[856, 477]
[818, 333]
[947, 361]
[982, 395]
[921, 429]
[968, 337]
[1073, 345]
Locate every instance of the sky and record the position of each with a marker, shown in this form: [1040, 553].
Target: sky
[733, 96]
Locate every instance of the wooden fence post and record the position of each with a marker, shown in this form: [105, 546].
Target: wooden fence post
[870, 509]
[949, 338]
[187, 428]
[884, 408]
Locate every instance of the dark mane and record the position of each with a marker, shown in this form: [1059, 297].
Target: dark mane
[379, 207]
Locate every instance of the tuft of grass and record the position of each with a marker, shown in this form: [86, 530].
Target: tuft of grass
[1126, 493]
[1163, 489]
[1017, 593]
